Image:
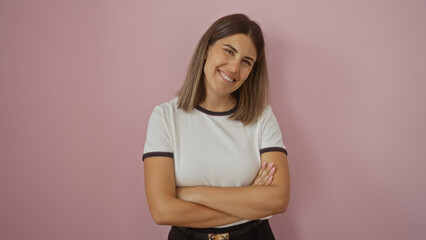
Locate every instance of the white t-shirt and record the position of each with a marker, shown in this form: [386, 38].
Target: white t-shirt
[210, 149]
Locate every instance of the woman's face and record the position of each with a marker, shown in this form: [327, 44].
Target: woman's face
[229, 61]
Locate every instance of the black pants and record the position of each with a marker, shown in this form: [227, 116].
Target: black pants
[262, 232]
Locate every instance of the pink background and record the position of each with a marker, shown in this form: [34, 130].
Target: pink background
[79, 80]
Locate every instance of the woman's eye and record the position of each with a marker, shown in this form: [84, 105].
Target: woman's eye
[247, 62]
[229, 52]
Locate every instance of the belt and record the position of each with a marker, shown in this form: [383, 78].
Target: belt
[223, 235]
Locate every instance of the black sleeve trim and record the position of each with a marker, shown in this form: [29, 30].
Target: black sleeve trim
[157, 154]
[272, 149]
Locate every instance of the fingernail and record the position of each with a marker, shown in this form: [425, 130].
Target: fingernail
[264, 164]
[272, 170]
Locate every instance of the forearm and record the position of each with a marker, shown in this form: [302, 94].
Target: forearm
[250, 202]
[177, 212]
[166, 208]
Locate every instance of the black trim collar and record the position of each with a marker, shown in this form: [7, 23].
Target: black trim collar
[229, 112]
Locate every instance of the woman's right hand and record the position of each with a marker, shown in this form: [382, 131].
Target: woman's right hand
[265, 175]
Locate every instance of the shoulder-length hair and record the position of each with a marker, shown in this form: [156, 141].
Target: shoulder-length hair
[252, 95]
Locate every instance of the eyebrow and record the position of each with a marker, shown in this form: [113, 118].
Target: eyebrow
[235, 50]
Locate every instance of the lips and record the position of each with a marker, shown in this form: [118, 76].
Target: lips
[226, 77]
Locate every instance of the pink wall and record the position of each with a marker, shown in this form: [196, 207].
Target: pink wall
[80, 78]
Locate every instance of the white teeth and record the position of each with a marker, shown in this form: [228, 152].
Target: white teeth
[226, 77]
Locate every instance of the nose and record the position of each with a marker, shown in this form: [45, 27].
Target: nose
[234, 66]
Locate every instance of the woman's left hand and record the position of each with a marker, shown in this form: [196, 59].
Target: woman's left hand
[265, 175]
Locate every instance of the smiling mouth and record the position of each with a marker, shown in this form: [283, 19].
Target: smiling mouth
[226, 77]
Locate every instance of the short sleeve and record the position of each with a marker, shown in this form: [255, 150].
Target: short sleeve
[158, 139]
[271, 137]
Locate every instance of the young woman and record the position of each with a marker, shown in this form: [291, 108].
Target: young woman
[214, 161]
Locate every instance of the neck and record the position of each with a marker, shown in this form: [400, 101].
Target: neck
[219, 103]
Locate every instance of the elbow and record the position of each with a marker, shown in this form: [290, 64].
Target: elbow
[160, 215]
[159, 219]
[282, 205]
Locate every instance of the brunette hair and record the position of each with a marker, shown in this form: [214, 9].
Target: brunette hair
[252, 95]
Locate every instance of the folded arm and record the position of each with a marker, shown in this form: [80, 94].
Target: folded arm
[166, 208]
[250, 202]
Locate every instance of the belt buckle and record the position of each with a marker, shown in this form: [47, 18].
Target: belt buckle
[219, 236]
